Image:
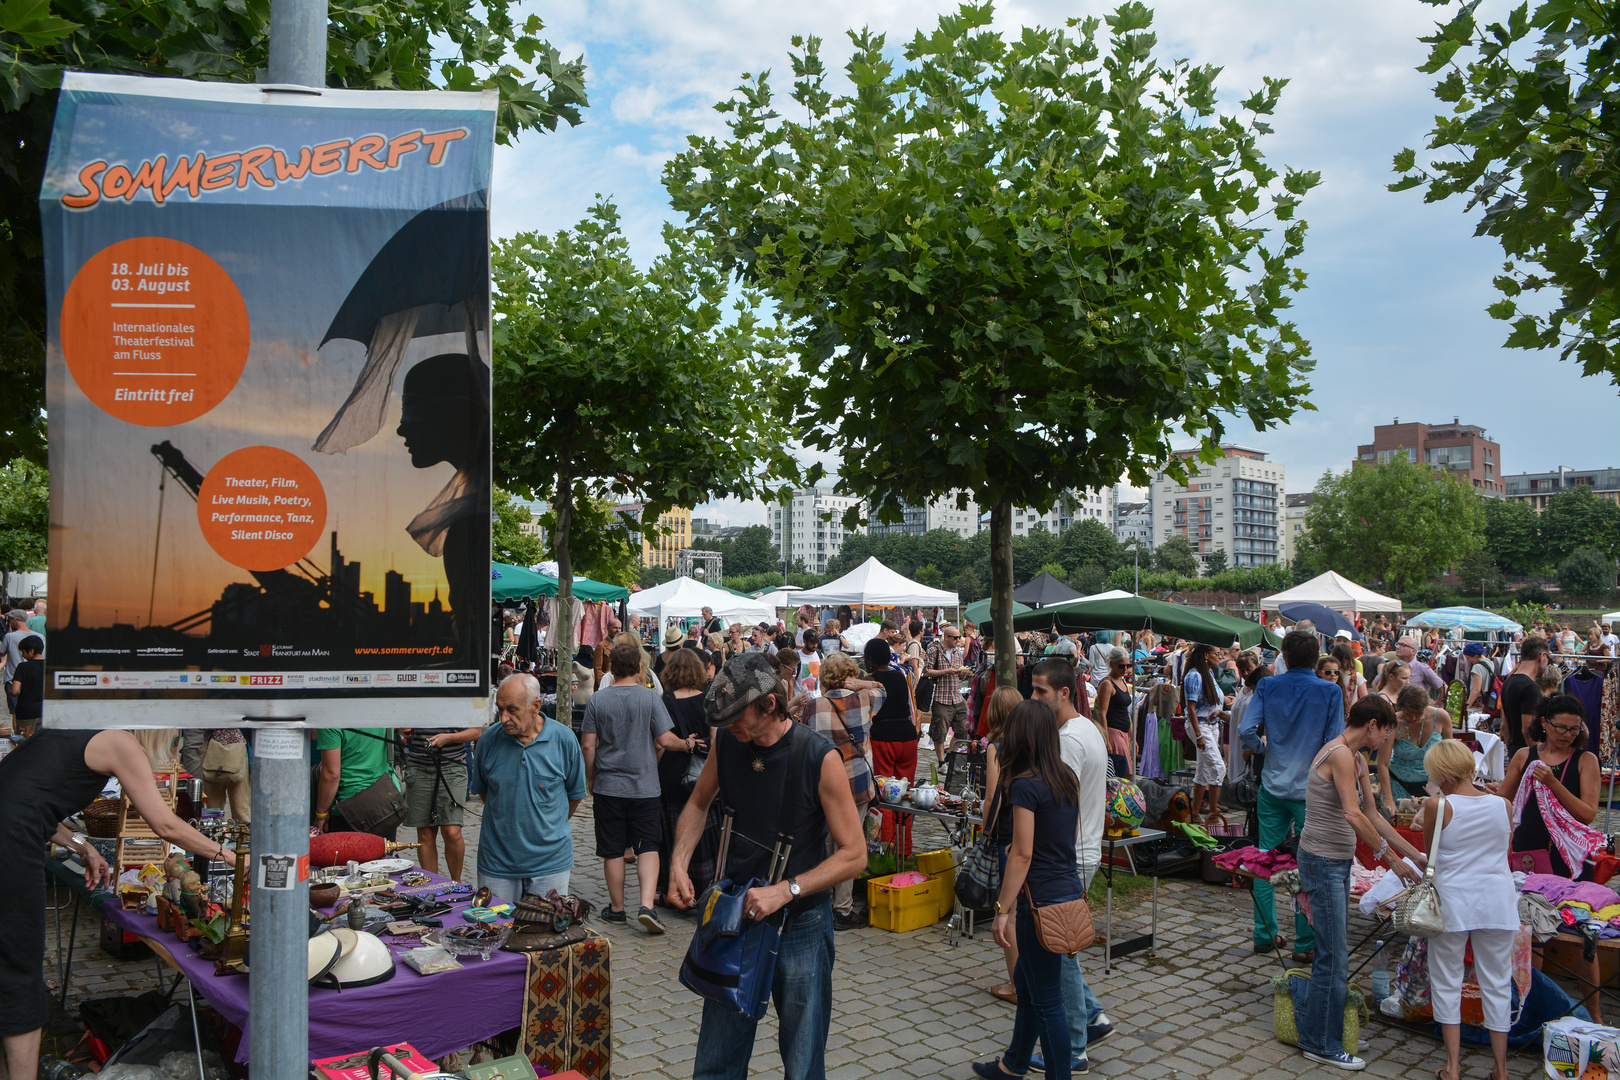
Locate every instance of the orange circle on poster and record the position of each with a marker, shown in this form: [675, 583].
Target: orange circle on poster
[261, 508]
[154, 331]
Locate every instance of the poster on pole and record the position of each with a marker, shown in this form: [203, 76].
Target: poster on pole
[267, 388]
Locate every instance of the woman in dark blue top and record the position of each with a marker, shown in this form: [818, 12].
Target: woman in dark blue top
[1045, 796]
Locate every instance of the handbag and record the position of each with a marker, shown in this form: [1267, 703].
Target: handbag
[978, 872]
[377, 809]
[694, 769]
[1417, 910]
[731, 959]
[923, 696]
[1065, 927]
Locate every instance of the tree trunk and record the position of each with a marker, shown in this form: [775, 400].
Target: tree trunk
[564, 631]
[1001, 590]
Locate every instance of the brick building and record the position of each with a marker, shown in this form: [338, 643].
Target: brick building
[1457, 448]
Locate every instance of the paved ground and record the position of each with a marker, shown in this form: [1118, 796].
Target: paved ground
[912, 1005]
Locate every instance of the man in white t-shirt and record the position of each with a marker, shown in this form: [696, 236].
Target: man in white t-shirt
[1086, 754]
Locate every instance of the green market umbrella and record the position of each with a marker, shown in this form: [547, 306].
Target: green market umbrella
[518, 583]
[979, 611]
[1136, 613]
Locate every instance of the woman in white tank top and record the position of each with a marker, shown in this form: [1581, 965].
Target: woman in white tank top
[1477, 899]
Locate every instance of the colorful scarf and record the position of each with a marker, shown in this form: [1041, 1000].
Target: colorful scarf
[1575, 842]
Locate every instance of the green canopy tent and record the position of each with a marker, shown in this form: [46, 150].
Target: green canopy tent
[517, 583]
[978, 612]
[1137, 613]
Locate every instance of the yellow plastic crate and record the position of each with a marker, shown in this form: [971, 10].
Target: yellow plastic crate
[940, 864]
[906, 907]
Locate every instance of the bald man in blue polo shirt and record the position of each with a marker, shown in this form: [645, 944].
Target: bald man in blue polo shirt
[531, 775]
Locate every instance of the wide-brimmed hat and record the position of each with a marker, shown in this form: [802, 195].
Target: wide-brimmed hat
[674, 636]
[746, 679]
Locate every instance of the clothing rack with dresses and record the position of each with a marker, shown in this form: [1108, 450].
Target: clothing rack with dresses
[1608, 717]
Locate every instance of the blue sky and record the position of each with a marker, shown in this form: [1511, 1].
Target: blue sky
[1397, 288]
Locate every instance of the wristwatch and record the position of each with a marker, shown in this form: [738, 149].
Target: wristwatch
[793, 887]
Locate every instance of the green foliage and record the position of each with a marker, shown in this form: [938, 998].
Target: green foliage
[653, 576]
[1513, 536]
[930, 575]
[1039, 548]
[1530, 137]
[749, 552]
[449, 44]
[1056, 570]
[601, 544]
[1123, 577]
[508, 542]
[1089, 579]
[1215, 563]
[1089, 541]
[1176, 556]
[25, 517]
[1399, 523]
[1525, 613]
[613, 382]
[1576, 519]
[1586, 572]
[1477, 571]
[968, 585]
[1534, 594]
[1011, 264]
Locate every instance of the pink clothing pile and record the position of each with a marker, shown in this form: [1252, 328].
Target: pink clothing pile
[1254, 861]
[1362, 879]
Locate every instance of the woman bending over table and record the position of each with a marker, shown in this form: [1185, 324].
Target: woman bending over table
[1471, 873]
[53, 775]
[1553, 788]
[1338, 808]
[1400, 763]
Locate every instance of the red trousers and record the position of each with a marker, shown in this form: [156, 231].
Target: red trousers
[894, 759]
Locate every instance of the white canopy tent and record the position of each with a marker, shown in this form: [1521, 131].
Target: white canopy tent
[872, 584]
[779, 598]
[1112, 594]
[685, 598]
[1334, 591]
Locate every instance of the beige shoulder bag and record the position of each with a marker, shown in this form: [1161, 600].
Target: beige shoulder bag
[1417, 910]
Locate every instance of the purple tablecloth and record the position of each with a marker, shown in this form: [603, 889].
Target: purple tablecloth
[437, 1014]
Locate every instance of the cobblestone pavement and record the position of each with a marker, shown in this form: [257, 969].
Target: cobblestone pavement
[912, 1005]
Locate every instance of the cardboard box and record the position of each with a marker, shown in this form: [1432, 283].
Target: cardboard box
[568, 1009]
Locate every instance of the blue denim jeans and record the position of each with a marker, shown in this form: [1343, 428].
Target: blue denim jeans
[514, 889]
[802, 992]
[1327, 882]
[1039, 982]
[1080, 1005]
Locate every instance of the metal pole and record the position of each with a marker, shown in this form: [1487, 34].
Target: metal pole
[278, 988]
[298, 43]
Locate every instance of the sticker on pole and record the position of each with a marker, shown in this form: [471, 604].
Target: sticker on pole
[282, 744]
[280, 872]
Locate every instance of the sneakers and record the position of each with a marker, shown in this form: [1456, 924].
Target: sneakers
[613, 916]
[1078, 1067]
[1098, 1032]
[1342, 1060]
[847, 922]
[649, 921]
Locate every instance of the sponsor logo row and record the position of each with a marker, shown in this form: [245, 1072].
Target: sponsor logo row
[292, 680]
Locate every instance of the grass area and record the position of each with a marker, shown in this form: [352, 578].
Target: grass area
[1129, 889]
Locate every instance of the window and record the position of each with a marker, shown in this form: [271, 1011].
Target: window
[1203, 487]
[1450, 457]
[1384, 456]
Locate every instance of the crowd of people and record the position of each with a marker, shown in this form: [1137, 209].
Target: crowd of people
[677, 733]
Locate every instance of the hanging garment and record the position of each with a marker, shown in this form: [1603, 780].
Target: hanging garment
[1610, 710]
[1150, 765]
[1586, 686]
[528, 643]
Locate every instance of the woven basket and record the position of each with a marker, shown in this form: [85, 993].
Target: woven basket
[101, 818]
[1285, 1026]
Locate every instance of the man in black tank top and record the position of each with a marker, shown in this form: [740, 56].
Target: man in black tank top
[748, 773]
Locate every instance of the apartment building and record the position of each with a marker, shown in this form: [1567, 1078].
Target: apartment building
[1457, 448]
[1070, 509]
[1536, 488]
[1293, 523]
[811, 527]
[941, 513]
[1232, 505]
[1134, 521]
[675, 533]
